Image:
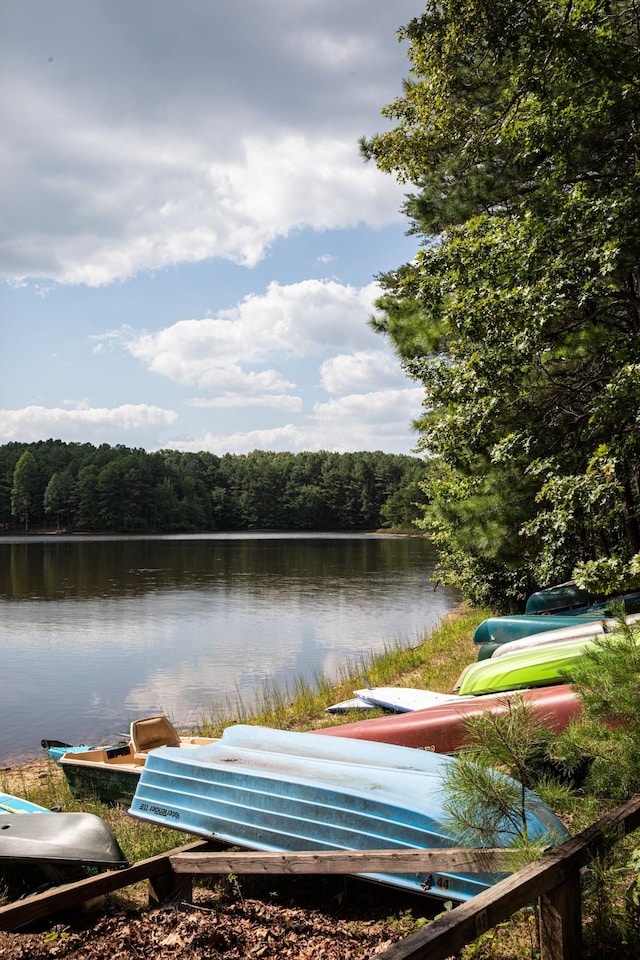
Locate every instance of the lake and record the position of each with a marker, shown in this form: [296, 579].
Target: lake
[100, 630]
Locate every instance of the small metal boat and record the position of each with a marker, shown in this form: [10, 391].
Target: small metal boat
[275, 790]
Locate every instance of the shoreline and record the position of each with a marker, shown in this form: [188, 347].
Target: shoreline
[25, 774]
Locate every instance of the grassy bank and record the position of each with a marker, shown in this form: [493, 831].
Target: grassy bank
[434, 664]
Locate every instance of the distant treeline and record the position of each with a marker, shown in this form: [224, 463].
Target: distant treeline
[76, 486]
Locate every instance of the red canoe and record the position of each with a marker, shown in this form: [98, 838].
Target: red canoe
[441, 728]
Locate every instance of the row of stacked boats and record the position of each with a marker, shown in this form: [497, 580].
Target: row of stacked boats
[358, 785]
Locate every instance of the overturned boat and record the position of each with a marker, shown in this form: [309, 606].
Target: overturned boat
[532, 667]
[442, 726]
[274, 790]
[40, 848]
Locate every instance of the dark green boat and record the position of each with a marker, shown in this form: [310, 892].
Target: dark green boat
[561, 598]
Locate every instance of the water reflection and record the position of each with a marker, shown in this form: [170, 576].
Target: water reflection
[54, 568]
[99, 631]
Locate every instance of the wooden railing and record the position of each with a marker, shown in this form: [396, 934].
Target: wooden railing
[553, 881]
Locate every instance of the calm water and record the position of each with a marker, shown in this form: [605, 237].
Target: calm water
[97, 631]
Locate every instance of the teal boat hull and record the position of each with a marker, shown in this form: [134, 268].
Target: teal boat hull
[274, 790]
[504, 629]
[567, 599]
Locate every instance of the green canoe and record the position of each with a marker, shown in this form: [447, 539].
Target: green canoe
[536, 667]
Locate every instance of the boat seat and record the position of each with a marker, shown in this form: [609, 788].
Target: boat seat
[152, 732]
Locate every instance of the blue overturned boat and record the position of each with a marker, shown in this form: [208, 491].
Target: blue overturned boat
[274, 790]
[503, 629]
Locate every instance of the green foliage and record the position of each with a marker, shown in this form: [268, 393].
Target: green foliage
[633, 891]
[608, 683]
[513, 740]
[486, 808]
[610, 900]
[124, 490]
[520, 314]
[25, 487]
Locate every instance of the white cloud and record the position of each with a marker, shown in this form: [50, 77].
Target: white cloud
[368, 421]
[306, 318]
[141, 136]
[363, 370]
[373, 421]
[276, 401]
[278, 439]
[110, 223]
[199, 132]
[82, 423]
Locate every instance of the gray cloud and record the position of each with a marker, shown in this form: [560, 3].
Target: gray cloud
[141, 134]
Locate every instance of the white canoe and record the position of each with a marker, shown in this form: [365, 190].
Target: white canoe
[404, 699]
[599, 628]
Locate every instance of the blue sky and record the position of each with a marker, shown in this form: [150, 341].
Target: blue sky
[190, 237]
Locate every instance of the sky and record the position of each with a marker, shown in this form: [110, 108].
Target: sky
[189, 238]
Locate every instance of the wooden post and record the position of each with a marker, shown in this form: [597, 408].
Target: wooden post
[170, 887]
[561, 919]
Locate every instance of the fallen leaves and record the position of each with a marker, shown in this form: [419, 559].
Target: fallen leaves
[214, 929]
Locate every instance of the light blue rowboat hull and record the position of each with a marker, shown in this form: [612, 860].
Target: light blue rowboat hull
[274, 790]
[11, 804]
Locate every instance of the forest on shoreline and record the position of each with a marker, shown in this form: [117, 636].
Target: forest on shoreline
[117, 489]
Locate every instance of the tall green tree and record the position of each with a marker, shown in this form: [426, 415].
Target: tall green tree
[59, 496]
[26, 488]
[520, 314]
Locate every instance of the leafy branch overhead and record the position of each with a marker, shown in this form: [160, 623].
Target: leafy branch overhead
[520, 315]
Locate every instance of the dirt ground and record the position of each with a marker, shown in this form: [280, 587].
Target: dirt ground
[208, 930]
[325, 918]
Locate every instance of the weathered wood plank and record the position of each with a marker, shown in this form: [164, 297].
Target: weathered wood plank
[413, 860]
